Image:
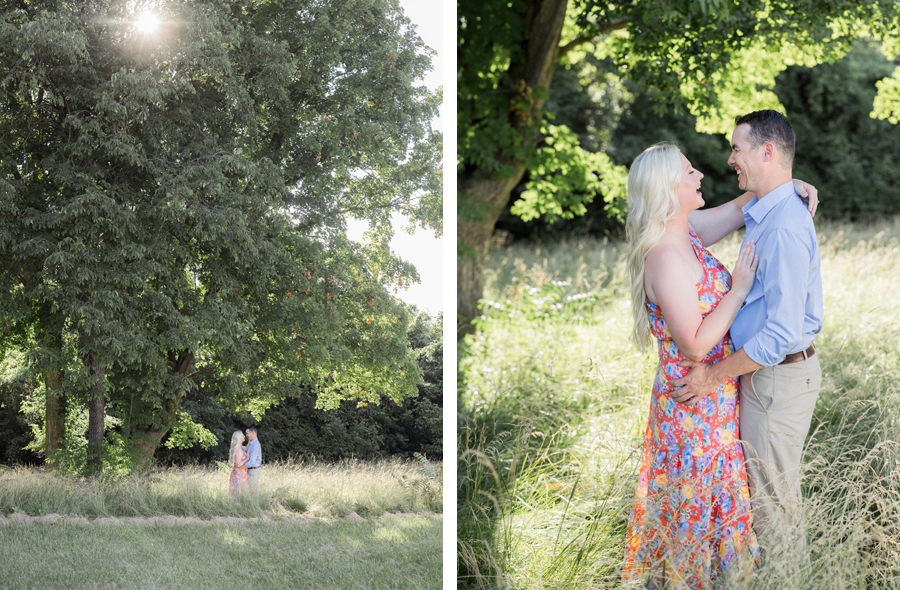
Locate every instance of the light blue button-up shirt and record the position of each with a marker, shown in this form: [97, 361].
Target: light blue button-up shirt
[783, 311]
[254, 453]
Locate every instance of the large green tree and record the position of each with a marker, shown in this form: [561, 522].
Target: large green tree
[180, 191]
[707, 56]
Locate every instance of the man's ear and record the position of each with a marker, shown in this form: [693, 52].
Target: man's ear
[769, 151]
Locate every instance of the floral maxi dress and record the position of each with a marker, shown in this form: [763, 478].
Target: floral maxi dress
[237, 485]
[691, 520]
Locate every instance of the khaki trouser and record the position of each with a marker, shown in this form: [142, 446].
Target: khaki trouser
[776, 408]
[253, 478]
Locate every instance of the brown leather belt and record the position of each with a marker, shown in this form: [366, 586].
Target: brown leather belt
[796, 357]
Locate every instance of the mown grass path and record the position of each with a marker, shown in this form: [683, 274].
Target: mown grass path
[396, 553]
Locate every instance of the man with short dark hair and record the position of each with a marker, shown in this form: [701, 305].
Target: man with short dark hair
[254, 459]
[773, 332]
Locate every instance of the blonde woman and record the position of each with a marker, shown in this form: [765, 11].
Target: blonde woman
[237, 458]
[691, 520]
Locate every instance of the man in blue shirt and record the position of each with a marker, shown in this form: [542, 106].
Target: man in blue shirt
[254, 459]
[774, 331]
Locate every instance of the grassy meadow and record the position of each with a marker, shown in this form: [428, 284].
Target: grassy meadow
[312, 525]
[554, 401]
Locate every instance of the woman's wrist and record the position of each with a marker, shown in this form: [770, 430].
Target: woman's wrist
[736, 295]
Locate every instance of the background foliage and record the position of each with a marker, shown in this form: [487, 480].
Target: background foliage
[292, 429]
[713, 59]
[842, 148]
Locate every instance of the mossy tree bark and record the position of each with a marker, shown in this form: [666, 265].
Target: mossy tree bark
[484, 191]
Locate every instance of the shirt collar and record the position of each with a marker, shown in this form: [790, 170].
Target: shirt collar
[758, 209]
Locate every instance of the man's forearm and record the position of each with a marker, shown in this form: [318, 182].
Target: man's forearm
[734, 365]
[703, 379]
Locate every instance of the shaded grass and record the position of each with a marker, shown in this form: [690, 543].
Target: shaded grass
[555, 401]
[396, 553]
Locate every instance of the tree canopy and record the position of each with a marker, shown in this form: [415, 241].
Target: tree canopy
[713, 58]
[174, 200]
[830, 105]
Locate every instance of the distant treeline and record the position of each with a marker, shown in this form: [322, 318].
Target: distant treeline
[849, 156]
[294, 428]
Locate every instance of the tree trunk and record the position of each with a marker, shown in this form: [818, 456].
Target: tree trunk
[181, 363]
[474, 233]
[54, 425]
[487, 196]
[96, 414]
[147, 447]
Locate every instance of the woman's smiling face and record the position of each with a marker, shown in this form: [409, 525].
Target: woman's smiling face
[689, 195]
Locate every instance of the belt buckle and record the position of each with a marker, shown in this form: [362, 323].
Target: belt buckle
[795, 357]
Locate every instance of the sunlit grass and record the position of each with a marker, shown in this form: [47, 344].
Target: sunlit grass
[555, 400]
[286, 488]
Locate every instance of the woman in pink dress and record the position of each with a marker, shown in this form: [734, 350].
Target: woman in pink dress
[237, 458]
[690, 526]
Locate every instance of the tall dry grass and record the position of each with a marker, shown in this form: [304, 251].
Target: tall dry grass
[320, 489]
[554, 400]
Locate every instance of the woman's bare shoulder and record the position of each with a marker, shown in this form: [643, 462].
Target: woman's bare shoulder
[667, 252]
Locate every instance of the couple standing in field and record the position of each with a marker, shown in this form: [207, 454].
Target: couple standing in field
[245, 461]
[738, 374]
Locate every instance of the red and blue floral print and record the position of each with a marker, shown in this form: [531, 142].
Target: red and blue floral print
[691, 521]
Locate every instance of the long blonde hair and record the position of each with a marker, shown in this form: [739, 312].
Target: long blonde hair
[236, 439]
[652, 201]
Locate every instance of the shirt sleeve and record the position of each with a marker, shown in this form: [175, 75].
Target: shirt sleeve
[783, 272]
